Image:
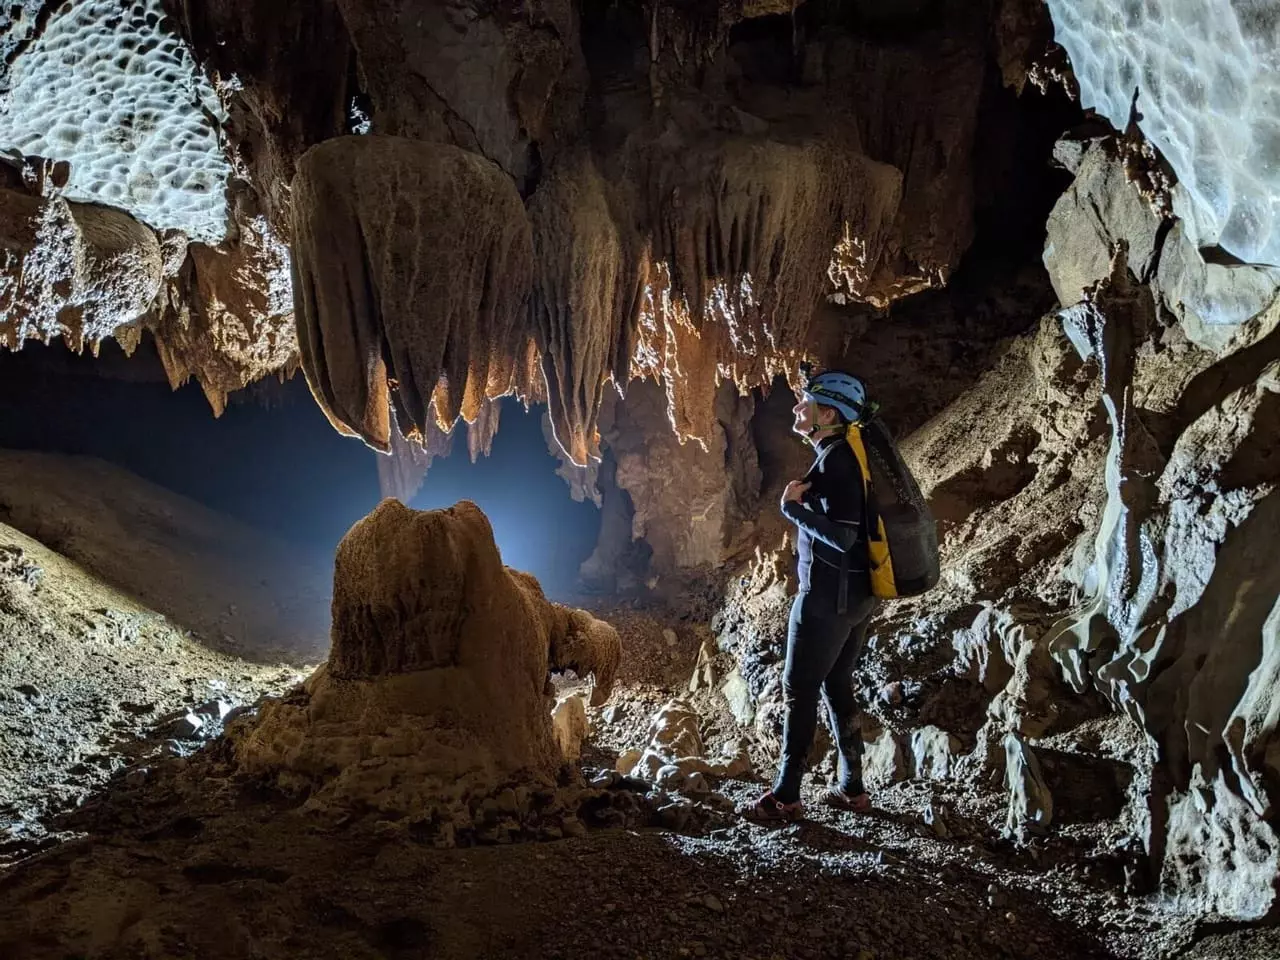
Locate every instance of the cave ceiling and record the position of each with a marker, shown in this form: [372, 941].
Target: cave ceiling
[427, 206]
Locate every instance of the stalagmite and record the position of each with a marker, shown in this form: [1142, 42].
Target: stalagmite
[435, 692]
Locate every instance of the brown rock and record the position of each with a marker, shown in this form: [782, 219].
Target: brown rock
[435, 243]
[79, 271]
[434, 690]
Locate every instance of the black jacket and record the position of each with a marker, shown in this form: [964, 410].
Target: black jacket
[830, 522]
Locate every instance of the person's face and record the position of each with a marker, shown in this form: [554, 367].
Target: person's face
[803, 413]
[809, 415]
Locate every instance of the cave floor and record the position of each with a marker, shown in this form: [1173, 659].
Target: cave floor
[162, 855]
[117, 841]
[224, 871]
[179, 858]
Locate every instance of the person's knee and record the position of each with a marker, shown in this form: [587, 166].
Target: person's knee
[840, 696]
[796, 688]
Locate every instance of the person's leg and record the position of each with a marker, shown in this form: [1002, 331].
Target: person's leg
[815, 638]
[842, 704]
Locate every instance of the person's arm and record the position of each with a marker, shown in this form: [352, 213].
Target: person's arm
[842, 481]
[839, 535]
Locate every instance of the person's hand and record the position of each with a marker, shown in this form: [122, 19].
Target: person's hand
[795, 490]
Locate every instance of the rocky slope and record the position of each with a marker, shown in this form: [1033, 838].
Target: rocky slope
[1100, 647]
[132, 625]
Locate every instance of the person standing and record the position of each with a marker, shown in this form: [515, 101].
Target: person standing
[827, 630]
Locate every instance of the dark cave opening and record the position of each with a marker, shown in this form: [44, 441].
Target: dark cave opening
[273, 461]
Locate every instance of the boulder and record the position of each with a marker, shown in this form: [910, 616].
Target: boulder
[1099, 210]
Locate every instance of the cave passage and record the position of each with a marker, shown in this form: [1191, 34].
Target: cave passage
[274, 462]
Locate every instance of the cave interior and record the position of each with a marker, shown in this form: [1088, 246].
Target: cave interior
[396, 398]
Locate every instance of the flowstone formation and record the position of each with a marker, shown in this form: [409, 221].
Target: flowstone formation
[646, 194]
[435, 703]
[1177, 70]
[412, 263]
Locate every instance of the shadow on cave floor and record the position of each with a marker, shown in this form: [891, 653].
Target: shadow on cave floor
[232, 876]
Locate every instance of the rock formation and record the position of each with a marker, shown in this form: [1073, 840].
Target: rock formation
[69, 269]
[643, 215]
[86, 272]
[436, 693]
[1104, 628]
[412, 264]
[226, 316]
[690, 241]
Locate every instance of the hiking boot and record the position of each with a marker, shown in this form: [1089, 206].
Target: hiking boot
[853, 802]
[769, 809]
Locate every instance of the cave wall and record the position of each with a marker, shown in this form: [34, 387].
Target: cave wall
[1105, 625]
[644, 215]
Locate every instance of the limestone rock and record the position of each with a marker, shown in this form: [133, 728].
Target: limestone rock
[433, 695]
[227, 318]
[1100, 209]
[982, 650]
[675, 757]
[738, 695]
[1211, 826]
[569, 720]
[627, 760]
[1211, 299]
[933, 753]
[1176, 622]
[883, 762]
[72, 270]
[378, 209]
[704, 671]
[1030, 802]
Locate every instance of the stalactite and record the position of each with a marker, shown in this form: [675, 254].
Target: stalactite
[587, 282]
[412, 266]
[741, 228]
[225, 316]
[402, 471]
[482, 430]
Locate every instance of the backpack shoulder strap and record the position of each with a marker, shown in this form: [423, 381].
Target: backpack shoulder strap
[871, 515]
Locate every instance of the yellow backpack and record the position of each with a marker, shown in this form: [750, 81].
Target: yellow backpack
[902, 537]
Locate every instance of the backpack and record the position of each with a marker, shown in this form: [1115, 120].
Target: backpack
[902, 538]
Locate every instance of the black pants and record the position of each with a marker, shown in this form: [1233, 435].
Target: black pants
[823, 647]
